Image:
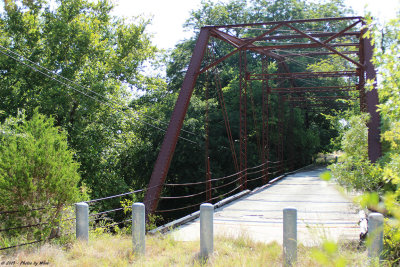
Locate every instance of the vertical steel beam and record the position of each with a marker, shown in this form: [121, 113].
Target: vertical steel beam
[281, 130]
[256, 129]
[207, 143]
[374, 143]
[175, 125]
[291, 138]
[361, 76]
[208, 179]
[243, 118]
[226, 121]
[265, 122]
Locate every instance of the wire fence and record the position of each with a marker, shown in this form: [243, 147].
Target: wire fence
[98, 220]
[231, 184]
[222, 187]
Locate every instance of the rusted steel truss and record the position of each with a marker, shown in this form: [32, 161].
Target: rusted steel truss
[243, 119]
[266, 90]
[282, 42]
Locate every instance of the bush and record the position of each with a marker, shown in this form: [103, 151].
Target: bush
[391, 241]
[354, 169]
[38, 175]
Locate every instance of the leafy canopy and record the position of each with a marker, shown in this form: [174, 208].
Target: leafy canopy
[82, 41]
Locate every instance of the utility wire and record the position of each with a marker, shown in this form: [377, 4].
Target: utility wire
[93, 98]
[87, 88]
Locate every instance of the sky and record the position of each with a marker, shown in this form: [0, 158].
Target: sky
[169, 15]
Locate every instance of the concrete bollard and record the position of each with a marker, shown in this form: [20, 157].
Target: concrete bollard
[206, 230]
[82, 221]
[289, 236]
[375, 235]
[138, 228]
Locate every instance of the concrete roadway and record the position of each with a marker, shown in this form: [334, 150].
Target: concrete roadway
[322, 212]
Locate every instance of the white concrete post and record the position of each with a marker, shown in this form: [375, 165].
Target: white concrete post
[206, 230]
[289, 236]
[138, 228]
[375, 235]
[82, 221]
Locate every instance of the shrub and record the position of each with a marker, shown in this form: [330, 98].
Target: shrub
[354, 169]
[38, 175]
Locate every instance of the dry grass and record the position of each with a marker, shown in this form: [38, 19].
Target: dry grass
[162, 250]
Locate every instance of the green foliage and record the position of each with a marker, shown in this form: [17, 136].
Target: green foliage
[391, 241]
[152, 219]
[368, 200]
[38, 174]
[82, 41]
[326, 176]
[387, 60]
[353, 169]
[329, 255]
[241, 11]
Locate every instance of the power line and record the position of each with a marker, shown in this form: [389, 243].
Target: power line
[93, 98]
[86, 88]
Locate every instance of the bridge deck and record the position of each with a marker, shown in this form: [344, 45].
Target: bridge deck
[323, 212]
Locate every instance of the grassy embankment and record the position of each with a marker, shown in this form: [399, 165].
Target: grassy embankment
[162, 250]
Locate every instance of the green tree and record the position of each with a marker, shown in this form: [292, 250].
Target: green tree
[92, 49]
[38, 175]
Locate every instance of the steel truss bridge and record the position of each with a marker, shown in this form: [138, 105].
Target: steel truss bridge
[280, 42]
